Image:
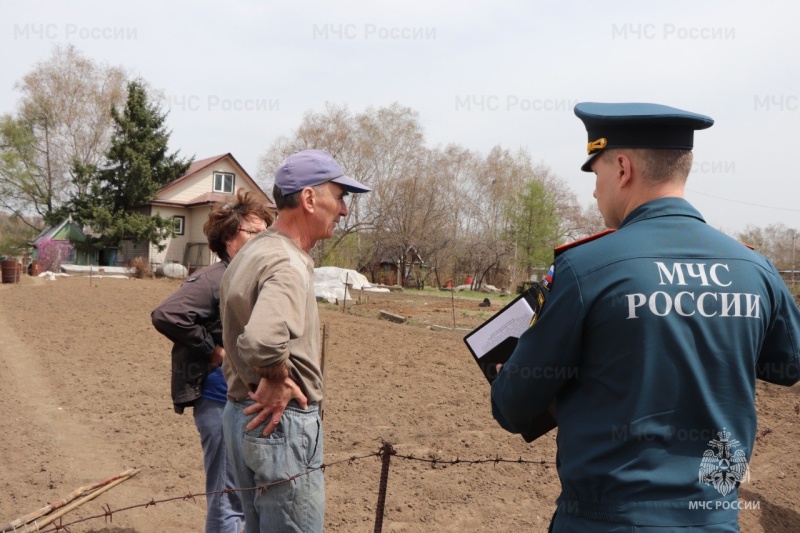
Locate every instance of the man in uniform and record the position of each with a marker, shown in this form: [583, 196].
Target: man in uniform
[650, 342]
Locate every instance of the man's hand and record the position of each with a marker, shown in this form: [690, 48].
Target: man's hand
[271, 398]
[217, 356]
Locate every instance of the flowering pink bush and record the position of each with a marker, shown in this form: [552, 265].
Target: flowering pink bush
[52, 253]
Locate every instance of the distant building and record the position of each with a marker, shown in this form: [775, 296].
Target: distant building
[67, 232]
[386, 270]
[188, 201]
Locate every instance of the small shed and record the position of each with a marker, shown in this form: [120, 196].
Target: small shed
[68, 231]
[386, 270]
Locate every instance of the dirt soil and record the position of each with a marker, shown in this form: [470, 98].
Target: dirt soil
[85, 395]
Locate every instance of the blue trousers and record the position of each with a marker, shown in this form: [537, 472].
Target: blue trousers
[295, 447]
[224, 514]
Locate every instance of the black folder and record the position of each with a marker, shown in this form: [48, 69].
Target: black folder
[494, 341]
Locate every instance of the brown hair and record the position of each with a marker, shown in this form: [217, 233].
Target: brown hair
[226, 219]
[660, 165]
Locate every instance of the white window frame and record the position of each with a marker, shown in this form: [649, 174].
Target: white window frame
[180, 224]
[222, 176]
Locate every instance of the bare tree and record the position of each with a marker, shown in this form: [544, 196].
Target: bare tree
[777, 242]
[63, 121]
[584, 222]
[456, 168]
[376, 147]
[451, 206]
[416, 211]
[489, 253]
[15, 234]
[757, 237]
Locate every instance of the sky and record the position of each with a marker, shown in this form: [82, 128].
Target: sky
[236, 75]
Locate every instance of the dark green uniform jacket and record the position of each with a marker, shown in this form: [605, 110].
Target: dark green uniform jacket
[650, 343]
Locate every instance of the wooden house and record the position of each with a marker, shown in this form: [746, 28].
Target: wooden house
[188, 201]
[67, 232]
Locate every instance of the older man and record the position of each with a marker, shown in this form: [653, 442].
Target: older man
[650, 342]
[271, 332]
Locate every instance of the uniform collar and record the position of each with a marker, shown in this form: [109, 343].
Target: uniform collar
[662, 207]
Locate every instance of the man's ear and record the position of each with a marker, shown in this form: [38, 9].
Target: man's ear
[308, 199]
[624, 170]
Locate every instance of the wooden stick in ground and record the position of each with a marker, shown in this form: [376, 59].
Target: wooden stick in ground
[344, 300]
[453, 304]
[322, 369]
[89, 497]
[80, 491]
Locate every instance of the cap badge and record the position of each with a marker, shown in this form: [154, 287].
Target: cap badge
[594, 146]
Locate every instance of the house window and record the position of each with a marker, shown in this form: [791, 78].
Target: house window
[223, 182]
[179, 223]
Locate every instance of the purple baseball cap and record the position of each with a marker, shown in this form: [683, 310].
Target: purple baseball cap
[313, 167]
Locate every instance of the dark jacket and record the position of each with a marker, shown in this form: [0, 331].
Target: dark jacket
[650, 342]
[189, 317]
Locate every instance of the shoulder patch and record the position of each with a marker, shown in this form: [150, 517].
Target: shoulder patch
[547, 281]
[749, 245]
[564, 247]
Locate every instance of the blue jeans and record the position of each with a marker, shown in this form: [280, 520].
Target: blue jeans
[294, 447]
[224, 514]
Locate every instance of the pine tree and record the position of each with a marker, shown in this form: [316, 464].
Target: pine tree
[136, 167]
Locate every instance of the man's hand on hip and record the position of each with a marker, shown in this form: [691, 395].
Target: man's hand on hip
[271, 398]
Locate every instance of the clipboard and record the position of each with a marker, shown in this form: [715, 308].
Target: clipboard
[494, 341]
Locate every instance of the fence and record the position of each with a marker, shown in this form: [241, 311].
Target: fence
[385, 454]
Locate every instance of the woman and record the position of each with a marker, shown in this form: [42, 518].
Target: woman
[189, 317]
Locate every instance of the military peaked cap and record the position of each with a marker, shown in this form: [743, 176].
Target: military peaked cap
[637, 125]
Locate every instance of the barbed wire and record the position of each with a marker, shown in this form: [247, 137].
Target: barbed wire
[385, 452]
[434, 461]
[109, 513]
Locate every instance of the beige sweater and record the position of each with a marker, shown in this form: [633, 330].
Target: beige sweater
[269, 315]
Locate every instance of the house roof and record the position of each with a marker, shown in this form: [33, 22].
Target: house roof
[208, 198]
[204, 199]
[194, 168]
[67, 229]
